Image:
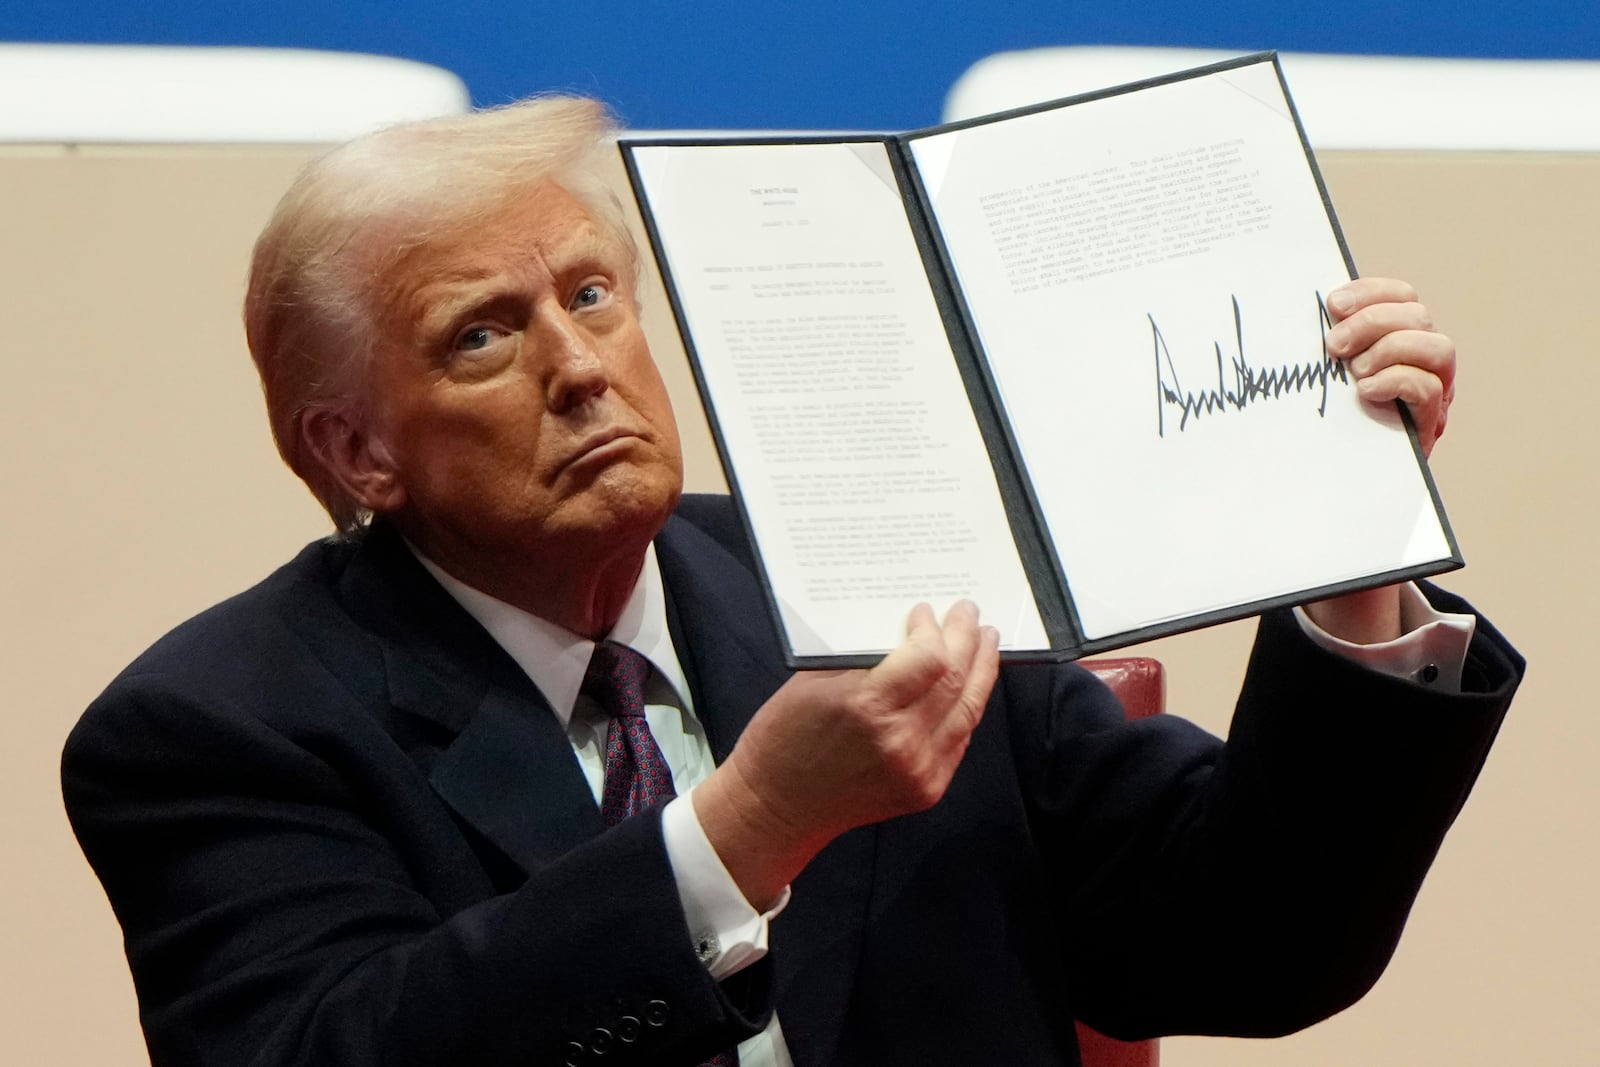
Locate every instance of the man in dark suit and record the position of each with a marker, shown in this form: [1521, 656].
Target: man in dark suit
[374, 811]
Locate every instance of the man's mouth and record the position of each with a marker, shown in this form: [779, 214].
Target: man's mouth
[599, 447]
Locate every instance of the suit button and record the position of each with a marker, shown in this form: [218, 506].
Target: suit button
[1429, 674]
[656, 1012]
[575, 1054]
[628, 1029]
[600, 1041]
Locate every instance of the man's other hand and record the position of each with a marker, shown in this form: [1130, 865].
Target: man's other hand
[1386, 338]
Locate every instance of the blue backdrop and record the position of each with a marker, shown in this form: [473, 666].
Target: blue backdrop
[864, 64]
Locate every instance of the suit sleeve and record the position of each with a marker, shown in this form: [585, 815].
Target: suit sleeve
[274, 913]
[1253, 887]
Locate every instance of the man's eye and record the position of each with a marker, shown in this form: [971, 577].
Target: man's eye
[474, 339]
[592, 295]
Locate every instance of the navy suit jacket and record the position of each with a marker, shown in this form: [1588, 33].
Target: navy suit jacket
[340, 826]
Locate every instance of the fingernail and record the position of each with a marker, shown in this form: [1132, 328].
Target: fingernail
[1339, 301]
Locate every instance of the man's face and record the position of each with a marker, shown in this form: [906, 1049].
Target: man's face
[514, 395]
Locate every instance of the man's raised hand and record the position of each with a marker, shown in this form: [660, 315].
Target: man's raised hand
[834, 750]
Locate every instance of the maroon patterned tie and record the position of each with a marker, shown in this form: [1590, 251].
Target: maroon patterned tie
[637, 776]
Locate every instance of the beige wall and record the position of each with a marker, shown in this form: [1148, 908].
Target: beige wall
[139, 486]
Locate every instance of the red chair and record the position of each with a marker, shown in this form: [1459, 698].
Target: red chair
[1139, 683]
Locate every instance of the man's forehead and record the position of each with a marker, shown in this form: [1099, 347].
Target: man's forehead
[545, 228]
[544, 219]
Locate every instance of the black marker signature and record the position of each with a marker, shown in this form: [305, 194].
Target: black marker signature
[1248, 385]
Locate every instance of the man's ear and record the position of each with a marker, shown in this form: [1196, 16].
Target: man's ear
[353, 457]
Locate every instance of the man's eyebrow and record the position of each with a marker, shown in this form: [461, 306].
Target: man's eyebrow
[588, 242]
[446, 299]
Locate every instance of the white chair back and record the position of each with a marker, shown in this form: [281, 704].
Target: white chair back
[1345, 101]
[125, 94]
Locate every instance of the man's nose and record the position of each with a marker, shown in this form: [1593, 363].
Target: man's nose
[574, 370]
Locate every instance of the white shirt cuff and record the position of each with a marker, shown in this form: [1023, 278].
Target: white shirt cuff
[729, 935]
[1431, 649]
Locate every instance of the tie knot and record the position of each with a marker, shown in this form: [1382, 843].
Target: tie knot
[615, 679]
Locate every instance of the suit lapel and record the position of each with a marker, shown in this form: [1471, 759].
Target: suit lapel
[733, 661]
[509, 771]
[718, 622]
[511, 774]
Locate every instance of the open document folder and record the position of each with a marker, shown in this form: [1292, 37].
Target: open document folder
[1066, 361]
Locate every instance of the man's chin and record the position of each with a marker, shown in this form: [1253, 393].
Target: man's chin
[623, 507]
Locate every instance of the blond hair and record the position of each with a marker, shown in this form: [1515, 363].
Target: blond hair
[311, 304]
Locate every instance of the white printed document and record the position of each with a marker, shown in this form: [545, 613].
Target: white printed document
[1067, 362]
